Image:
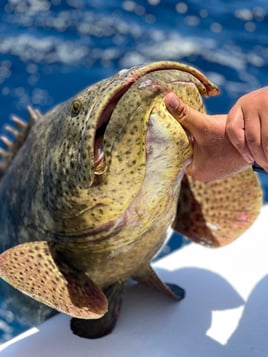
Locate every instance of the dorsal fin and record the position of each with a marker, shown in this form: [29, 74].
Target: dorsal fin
[18, 130]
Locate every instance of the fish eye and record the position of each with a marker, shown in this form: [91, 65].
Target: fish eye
[76, 106]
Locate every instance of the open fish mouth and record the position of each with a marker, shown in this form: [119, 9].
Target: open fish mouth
[105, 116]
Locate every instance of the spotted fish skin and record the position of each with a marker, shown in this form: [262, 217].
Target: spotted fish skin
[54, 169]
[95, 186]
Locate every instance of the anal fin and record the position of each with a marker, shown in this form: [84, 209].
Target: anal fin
[147, 276]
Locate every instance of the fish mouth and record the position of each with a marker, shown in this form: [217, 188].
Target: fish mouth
[115, 90]
[104, 119]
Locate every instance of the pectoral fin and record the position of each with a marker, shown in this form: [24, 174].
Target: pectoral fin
[215, 213]
[32, 269]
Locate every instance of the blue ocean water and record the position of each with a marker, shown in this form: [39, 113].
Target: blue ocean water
[49, 50]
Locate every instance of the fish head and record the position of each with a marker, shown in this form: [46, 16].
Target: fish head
[100, 142]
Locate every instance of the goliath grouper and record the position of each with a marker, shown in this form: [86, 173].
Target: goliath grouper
[89, 190]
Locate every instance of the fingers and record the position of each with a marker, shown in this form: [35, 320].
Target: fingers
[257, 136]
[235, 130]
[264, 138]
[263, 115]
[260, 104]
[253, 135]
[247, 126]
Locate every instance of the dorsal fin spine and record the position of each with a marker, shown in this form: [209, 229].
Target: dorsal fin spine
[19, 130]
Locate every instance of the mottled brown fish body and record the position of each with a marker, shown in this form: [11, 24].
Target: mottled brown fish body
[88, 198]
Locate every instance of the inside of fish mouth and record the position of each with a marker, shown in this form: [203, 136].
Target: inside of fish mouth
[103, 122]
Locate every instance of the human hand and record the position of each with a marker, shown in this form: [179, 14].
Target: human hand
[214, 156]
[247, 126]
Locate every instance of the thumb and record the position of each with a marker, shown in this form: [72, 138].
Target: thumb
[189, 118]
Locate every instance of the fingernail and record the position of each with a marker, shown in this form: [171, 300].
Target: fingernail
[173, 102]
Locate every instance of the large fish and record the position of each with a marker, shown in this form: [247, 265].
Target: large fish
[89, 189]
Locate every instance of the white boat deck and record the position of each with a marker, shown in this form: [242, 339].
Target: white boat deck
[225, 312]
